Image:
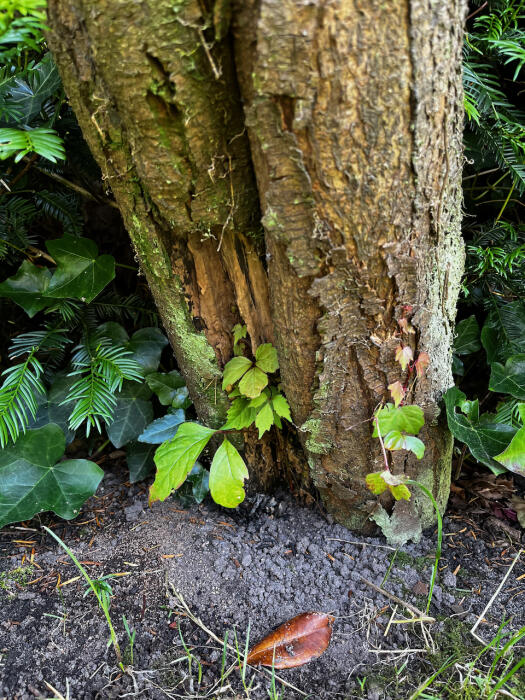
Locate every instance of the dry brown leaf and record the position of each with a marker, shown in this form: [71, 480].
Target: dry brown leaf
[294, 643]
[518, 504]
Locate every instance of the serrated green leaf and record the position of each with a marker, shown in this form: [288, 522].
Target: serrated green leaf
[405, 419]
[234, 369]
[163, 429]
[165, 386]
[400, 492]
[175, 458]
[147, 345]
[33, 480]
[394, 440]
[485, 439]
[376, 483]
[253, 382]
[240, 415]
[81, 273]
[266, 358]
[281, 406]
[259, 400]
[239, 332]
[132, 413]
[28, 287]
[467, 338]
[227, 475]
[509, 378]
[264, 419]
[139, 458]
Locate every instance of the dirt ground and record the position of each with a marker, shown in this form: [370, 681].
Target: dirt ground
[242, 572]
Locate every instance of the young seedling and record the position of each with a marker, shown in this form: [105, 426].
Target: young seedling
[103, 601]
[131, 638]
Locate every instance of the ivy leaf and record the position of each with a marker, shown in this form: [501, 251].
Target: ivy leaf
[513, 457]
[396, 392]
[52, 409]
[239, 332]
[404, 356]
[33, 480]
[394, 440]
[264, 419]
[175, 458]
[81, 273]
[266, 358]
[234, 370]
[139, 458]
[376, 483]
[405, 419]
[132, 413]
[467, 337]
[484, 438]
[165, 386]
[227, 475]
[281, 406]
[253, 382]
[27, 288]
[163, 428]
[240, 415]
[195, 488]
[115, 332]
[181, 398]
[147, 345]
[509, 378]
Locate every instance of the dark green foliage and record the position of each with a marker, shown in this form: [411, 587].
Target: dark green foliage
[489, 362]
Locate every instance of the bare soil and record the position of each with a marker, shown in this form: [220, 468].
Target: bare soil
[242, 572]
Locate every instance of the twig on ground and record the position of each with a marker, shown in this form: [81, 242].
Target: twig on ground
[421, 615]
[491, 601]
[361, 544]
[220, 641]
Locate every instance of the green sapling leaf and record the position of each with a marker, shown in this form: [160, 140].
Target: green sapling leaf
[376, 483]
[227, 474]
[253, 382]
[281, 406]
[264, 419]
[240, 415]
[394, 440]
[405, 419]
[175, 458]
[234, 370]
[266, 358]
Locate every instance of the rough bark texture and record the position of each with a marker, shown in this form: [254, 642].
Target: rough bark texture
[354, 113]
[351, 119]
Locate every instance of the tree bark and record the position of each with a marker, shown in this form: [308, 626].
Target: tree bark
[336, 123]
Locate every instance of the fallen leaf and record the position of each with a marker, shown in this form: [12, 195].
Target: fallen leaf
[518, 504]
[296, 642]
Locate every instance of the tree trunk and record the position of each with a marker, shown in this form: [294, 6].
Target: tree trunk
[336, 123]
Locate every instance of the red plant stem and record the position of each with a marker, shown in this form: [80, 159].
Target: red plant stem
[385, 457]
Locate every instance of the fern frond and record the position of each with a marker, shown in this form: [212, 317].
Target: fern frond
[68, 310]
[115, 307]
[62, 206]
[45, 340]
[103, 367]
[21, 385]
